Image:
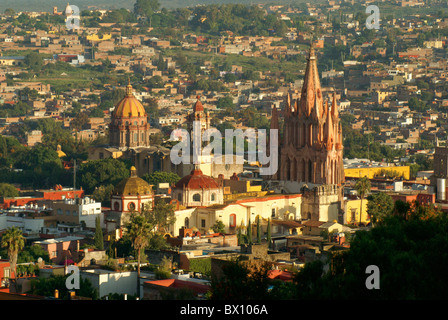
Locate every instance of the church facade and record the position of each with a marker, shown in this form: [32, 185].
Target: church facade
[310, 151]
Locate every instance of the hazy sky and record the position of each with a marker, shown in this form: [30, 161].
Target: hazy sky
[47, 5]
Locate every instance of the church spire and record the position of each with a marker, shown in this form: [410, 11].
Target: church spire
[274, 118]
[334, 108]
[288, 109]
[311, 97]
[329, 132]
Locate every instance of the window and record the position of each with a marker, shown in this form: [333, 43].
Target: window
[75, 213]
[232, 220]
[135, 136]
[196, 197]
[131, 206]
[59, 211]
[213, 197]
[179, 196]
[67, 212]
[187, 223]
[203, 223]
[273, 213]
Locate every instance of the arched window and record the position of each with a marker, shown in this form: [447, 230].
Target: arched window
[196, 197]
[310, 171]
[187, 223]
[213, 197]
[179, 196]
[232, 220]
[310, 134]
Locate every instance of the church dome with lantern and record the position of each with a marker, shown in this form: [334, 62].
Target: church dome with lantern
[129, 106]
[133, 185]
[197, 190]
[132, 194]
[129, 127]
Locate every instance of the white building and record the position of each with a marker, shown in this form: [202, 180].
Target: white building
[79, 211]
[27, 218]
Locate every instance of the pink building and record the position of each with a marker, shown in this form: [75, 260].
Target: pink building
[60, 249]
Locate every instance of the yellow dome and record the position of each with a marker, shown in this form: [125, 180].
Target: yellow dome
[60, 152]
[129, 106]
[133, 185]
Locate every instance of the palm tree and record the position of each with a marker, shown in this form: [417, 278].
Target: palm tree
[138, 230]
[362, 187]
[14, 241]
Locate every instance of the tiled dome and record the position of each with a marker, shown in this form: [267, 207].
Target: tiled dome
[129, 106]
[133, 185]
[197, 180]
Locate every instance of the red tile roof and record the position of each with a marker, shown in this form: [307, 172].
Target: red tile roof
[176, 283]
[197, 180]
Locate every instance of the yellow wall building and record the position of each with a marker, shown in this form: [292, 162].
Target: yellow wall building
[95, 37]
[352, 210]
[372, 172]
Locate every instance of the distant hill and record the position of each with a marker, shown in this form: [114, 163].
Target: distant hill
[47, 5]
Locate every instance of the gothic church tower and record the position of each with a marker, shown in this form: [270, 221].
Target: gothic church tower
[311, 149]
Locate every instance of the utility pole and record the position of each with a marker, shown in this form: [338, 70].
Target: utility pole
[74, 179]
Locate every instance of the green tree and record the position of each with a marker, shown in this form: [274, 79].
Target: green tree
[9, 12]
[241, 281]
[161, 177]
[258, 230]
[34, 61]
[8, 190]
[14, 241]
[380, 207]
[80, 120]
[46, 286]
[249, 232]
[138, 231]
[146, 8]
[32, 254]
[225, 103]
[362, 187]
[240, 236]
[219, 227]
[103, 193]
[99, 240]
[98, 173]
[162, 216]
